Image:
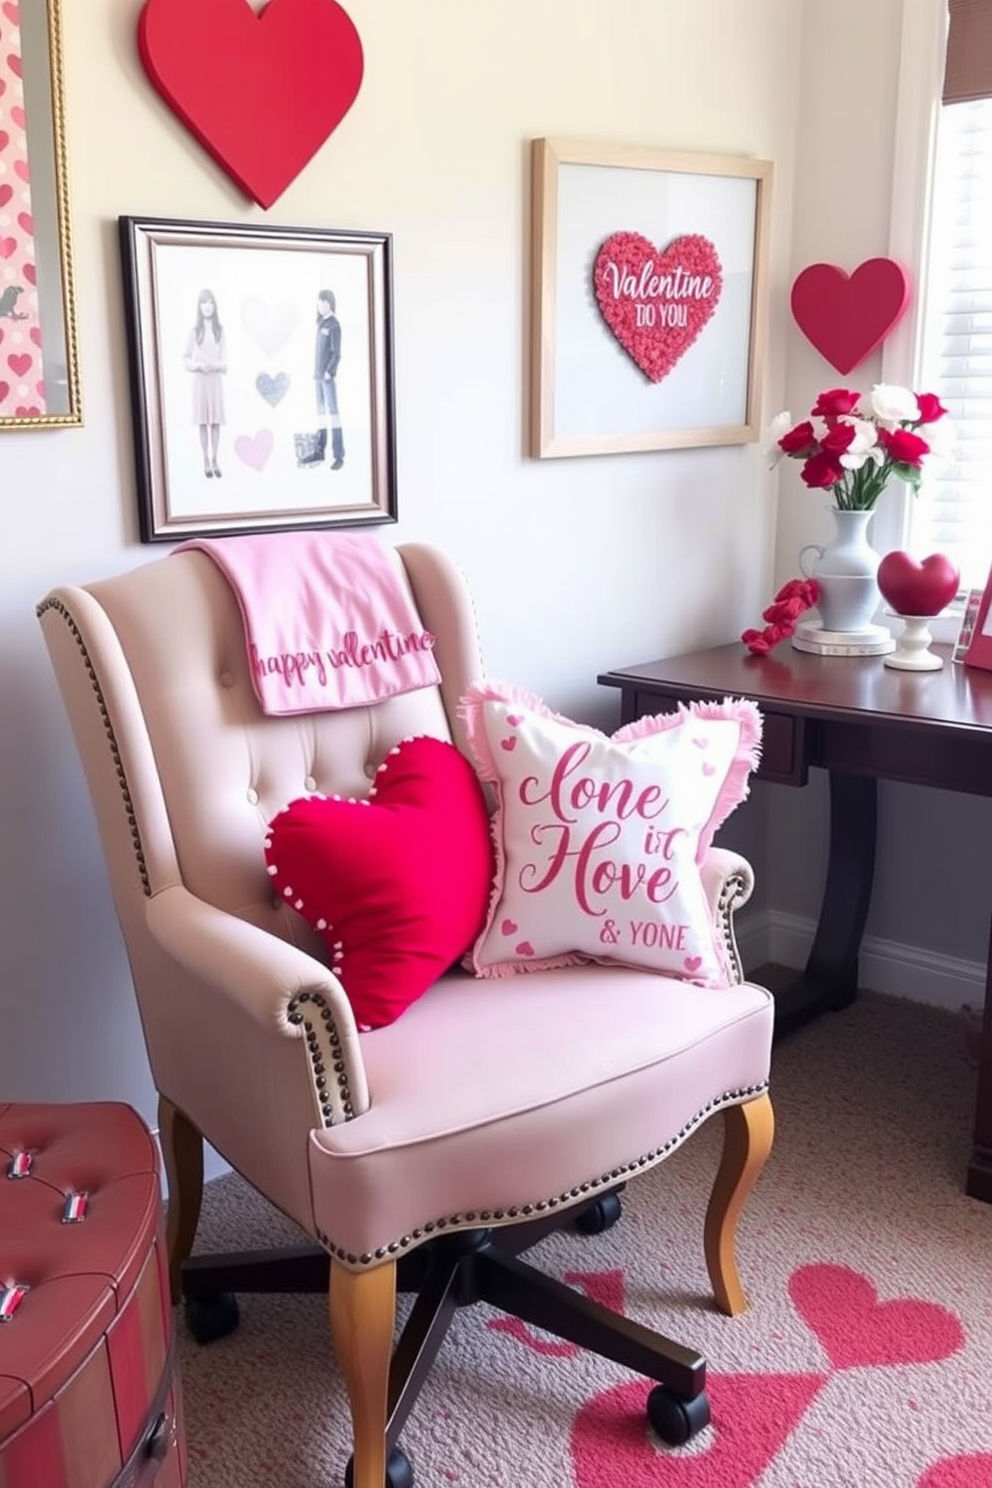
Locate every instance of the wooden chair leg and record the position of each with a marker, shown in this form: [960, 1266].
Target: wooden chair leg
[182, 1150]
[747, 1140]
[362, 1307]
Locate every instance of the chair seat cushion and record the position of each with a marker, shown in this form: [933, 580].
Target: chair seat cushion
[505, 1099]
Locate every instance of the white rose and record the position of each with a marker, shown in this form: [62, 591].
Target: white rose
[780, 424]
[892, 406]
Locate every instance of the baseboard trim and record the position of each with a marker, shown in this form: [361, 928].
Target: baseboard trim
[886, 965]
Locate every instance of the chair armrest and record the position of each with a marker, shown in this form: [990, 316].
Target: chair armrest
[275, 983]
[728, 881]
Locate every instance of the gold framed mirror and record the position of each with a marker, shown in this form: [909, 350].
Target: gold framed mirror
[39, 375]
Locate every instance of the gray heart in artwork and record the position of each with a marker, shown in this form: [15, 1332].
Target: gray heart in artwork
[273, 389]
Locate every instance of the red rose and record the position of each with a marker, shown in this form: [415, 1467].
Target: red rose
[837, 438]
[799, 441]
[838, 401]
[903, 446]
[821, 471]
[931, 407]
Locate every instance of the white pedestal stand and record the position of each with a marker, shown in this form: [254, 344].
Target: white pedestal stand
[912, 653]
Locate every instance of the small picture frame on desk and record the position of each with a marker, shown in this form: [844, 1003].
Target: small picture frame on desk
[974, 643]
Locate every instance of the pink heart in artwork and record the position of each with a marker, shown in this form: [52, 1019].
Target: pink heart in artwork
[30, 274]
[8, 247]
[6, 192]
[524, 948]
[21, 169]
[12, 11]
[4, 140]
[4, 389]
[971, 1471]
[915, 588]
[508, 744]
[509, 927]
[657, 302]
[857, 1330]
[26, 222]
[14, 63]
[19, 363]
[18, 116]
[36, 335]
[255, 450]
[846, 316]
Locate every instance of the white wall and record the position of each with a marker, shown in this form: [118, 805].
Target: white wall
[577, 565]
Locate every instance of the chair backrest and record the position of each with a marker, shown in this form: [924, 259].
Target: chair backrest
[185, 770]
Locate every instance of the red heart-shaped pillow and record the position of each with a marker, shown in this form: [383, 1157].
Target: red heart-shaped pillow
[398, 884]
[914, 588]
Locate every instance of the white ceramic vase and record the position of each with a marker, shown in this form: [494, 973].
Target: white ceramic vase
[845, 570]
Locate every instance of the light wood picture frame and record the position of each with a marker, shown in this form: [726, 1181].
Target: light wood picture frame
[648, 298]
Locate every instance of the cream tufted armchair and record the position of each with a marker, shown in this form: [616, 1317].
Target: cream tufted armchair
[426, 1155]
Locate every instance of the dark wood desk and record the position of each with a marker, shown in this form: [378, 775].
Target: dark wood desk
[862, 722]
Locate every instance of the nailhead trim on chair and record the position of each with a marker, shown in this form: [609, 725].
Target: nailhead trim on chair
[324, 1049]
[734, 889]
[60, 609]
[485, 1217]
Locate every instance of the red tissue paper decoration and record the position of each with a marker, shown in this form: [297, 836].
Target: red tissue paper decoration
[847, 316]
[261, 92]
[791, 601]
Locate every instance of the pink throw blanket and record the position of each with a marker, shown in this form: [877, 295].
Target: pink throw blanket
[327, 619]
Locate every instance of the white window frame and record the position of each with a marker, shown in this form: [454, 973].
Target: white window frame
[921, 80]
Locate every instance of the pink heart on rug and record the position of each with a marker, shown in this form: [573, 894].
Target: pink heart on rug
[753, 1414]
[857, 1330]
[255, 450]
[973, 1471]
[656, 302]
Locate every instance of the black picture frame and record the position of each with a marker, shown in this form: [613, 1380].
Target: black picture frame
[234, 431]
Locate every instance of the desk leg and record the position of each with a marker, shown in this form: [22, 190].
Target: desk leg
[830, 979]
[979, 1180]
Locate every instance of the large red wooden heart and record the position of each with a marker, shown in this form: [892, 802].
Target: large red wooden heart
[657, 303]
[847, 316]
[915, 588]
[260, 92]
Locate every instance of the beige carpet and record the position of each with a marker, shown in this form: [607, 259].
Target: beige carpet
[864, 1362]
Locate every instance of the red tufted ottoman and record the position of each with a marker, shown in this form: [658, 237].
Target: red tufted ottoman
[88, 1393]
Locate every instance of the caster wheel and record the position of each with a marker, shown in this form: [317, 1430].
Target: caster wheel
[676, 1420]
[213, 1317]
[399, 1473]
[600, 1216]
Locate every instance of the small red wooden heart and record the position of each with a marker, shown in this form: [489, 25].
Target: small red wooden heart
[847, 316]
[914, 588]
[260, 92]
[657, 303]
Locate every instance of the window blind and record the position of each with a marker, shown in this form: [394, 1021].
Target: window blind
[953, 512]
[968, 62]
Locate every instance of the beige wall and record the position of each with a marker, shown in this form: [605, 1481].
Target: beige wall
[577, 565]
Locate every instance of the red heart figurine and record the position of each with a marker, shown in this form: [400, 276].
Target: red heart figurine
[914, 588]
[657, 303]
[260, 92]
[847, 316]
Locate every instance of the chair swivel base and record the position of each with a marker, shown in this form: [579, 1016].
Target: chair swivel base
[456, 1271]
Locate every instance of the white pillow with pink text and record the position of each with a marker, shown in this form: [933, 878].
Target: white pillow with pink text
[600, 839]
